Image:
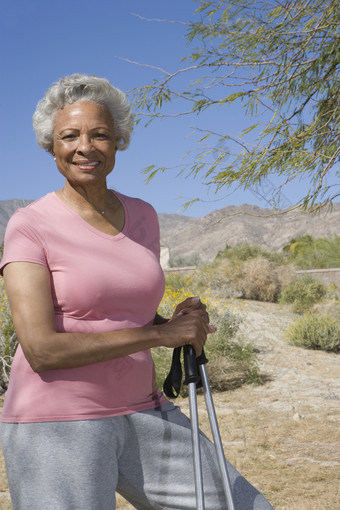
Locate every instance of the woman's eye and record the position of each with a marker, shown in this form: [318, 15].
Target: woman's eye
[69, 137]
[101, 136]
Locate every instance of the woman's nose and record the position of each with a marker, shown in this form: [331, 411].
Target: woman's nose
[84, 144]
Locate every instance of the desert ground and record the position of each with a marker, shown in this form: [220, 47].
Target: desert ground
[284, 435]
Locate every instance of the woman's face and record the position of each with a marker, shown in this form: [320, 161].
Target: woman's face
[84, 143]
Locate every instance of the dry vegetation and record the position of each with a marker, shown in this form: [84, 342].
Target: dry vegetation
[283, 436]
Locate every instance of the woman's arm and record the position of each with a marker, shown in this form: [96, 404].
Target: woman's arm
[29, 293]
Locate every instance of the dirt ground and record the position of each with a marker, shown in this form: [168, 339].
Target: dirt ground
[283, 436]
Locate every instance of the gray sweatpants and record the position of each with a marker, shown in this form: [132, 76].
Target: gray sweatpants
[146, 457]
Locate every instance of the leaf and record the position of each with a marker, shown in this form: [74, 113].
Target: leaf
[248, 130]
[232, 97]
[188, 204]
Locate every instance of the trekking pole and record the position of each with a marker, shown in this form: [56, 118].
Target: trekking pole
[171, 387]
[191, 379]
[201, 360]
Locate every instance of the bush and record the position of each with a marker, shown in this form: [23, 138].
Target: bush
[8, 339]
[239, 252]
[309, 253]
[315, 331]
[258, 279]
[331, 308]
[302, 293]
[245, 251]
[231, 363]
[186, 261]
[209, 278]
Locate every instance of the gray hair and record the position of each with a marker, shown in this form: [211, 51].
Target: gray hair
[82, 87]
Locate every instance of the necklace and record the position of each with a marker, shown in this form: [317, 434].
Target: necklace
[100, 211]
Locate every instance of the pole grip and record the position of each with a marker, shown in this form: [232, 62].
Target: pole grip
[202, 359]
[190, 365]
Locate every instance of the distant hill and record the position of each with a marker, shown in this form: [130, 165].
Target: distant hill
[185, 235]
[246, 223]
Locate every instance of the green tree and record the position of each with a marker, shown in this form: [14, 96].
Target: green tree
[280, 61]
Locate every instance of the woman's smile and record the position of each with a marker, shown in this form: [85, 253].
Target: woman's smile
[86, 165]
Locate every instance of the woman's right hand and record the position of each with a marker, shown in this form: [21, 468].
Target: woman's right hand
[189, 325]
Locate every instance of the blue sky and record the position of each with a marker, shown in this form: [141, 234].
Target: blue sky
[42, 41]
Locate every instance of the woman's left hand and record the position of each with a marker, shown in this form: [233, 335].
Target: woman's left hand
[190, 304]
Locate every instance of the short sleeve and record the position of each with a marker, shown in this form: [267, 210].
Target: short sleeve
[22, 241]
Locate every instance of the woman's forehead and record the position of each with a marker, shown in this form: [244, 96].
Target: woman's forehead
[83, 114]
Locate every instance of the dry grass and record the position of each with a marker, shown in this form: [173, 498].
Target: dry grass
[283, 436]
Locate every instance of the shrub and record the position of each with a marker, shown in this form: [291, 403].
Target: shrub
[8, 339]
[329, 307]
[177, 282]
[258, 279]
[240, 252]
[332, 292]
[227, 325]
[302, 293]
[208, 278]
[185, 261]
[231, 363]
[309, 253]
[315, 331]
[245, 251]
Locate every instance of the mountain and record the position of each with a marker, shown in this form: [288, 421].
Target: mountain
[246, 223]
[185, 235]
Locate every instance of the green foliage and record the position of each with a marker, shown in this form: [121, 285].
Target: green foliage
[228, 357]
[8, 339]
[302, 293]
[315, 331]
[245, 251]
[178, 281]
[190, 260]
[280, 63]
[239, 252]
[333, 293]
[227, 325]
[207, 278]
[309, 253]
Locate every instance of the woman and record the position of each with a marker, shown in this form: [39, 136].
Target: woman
[83, 416]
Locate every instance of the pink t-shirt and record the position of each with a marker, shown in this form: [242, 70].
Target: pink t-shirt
[99, 283]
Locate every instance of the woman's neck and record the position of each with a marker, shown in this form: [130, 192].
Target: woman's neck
[96, 198]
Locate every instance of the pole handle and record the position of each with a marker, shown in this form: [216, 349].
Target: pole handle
[202, 359]
[190, 365]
